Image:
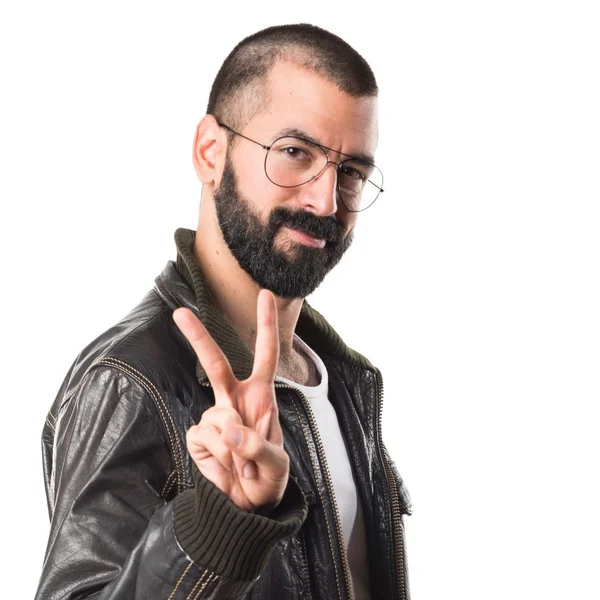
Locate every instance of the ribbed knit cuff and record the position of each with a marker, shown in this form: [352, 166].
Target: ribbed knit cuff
[232, 542]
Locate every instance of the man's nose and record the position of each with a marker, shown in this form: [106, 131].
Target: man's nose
[320, 194]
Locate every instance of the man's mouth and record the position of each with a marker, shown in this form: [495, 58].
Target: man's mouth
[306, 239]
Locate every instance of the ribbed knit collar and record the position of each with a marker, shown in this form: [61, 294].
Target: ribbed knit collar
[312, 327]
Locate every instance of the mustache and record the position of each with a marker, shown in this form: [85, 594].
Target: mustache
[326, 228]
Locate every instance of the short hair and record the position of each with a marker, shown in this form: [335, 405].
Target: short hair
[239, 90]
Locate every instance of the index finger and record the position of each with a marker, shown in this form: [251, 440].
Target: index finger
[266, 353]
[211, 357]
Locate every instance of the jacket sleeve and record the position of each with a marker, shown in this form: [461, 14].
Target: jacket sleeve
[112, 533]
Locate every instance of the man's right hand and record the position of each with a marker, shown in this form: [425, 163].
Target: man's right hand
[254, 472]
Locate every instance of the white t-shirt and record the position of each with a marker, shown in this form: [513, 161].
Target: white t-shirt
[348, 503]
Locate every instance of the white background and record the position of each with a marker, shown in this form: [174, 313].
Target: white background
[472, 283]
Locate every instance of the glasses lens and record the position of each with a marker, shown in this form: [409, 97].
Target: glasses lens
[359, 183]
[293, 161]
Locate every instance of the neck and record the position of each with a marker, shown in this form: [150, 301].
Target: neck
[235, 292]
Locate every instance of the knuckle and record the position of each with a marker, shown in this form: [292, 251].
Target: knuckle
[285, 457]
[192, 433]
[209, 430]
[200, 434]
[206, 417]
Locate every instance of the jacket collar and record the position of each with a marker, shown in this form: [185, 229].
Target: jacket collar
[312, 327]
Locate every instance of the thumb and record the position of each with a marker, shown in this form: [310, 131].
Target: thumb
[248, 444]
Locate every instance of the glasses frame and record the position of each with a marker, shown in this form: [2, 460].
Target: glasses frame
[324, 149]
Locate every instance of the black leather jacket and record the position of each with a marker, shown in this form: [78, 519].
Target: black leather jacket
[115, 466]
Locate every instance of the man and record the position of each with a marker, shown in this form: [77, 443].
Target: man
[222, 441]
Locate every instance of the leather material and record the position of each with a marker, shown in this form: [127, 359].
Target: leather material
[114, 459]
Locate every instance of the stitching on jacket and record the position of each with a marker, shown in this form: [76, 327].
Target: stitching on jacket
[52, 416]
[151, 389]
[196, 585]
[50, 424]
[180, 580]
[156, 395]
[168, 490]
[210, 579]
[320, 496]
[189, 597]
[169, 483]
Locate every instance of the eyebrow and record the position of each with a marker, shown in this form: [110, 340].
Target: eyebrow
[294, 131]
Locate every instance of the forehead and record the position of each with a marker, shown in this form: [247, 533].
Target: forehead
[303, 100]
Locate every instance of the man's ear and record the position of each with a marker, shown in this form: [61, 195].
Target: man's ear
[209, 150]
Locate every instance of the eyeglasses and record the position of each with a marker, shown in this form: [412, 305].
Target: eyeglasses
[292, 161]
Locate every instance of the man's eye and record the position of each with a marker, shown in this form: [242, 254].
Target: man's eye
[294, 152]
[354, 174]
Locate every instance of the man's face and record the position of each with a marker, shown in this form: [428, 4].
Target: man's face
[265, 225]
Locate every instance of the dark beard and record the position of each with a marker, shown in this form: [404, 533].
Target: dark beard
[291, 272]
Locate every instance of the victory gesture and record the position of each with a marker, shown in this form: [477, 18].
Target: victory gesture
[238, 443]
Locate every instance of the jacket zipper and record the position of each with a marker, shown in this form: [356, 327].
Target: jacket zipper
[336, 514]
[397, 529]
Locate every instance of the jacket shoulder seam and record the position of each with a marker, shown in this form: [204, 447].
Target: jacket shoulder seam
[70, 392]
[162, 409]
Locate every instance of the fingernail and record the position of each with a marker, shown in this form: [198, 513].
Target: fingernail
[233, 436]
